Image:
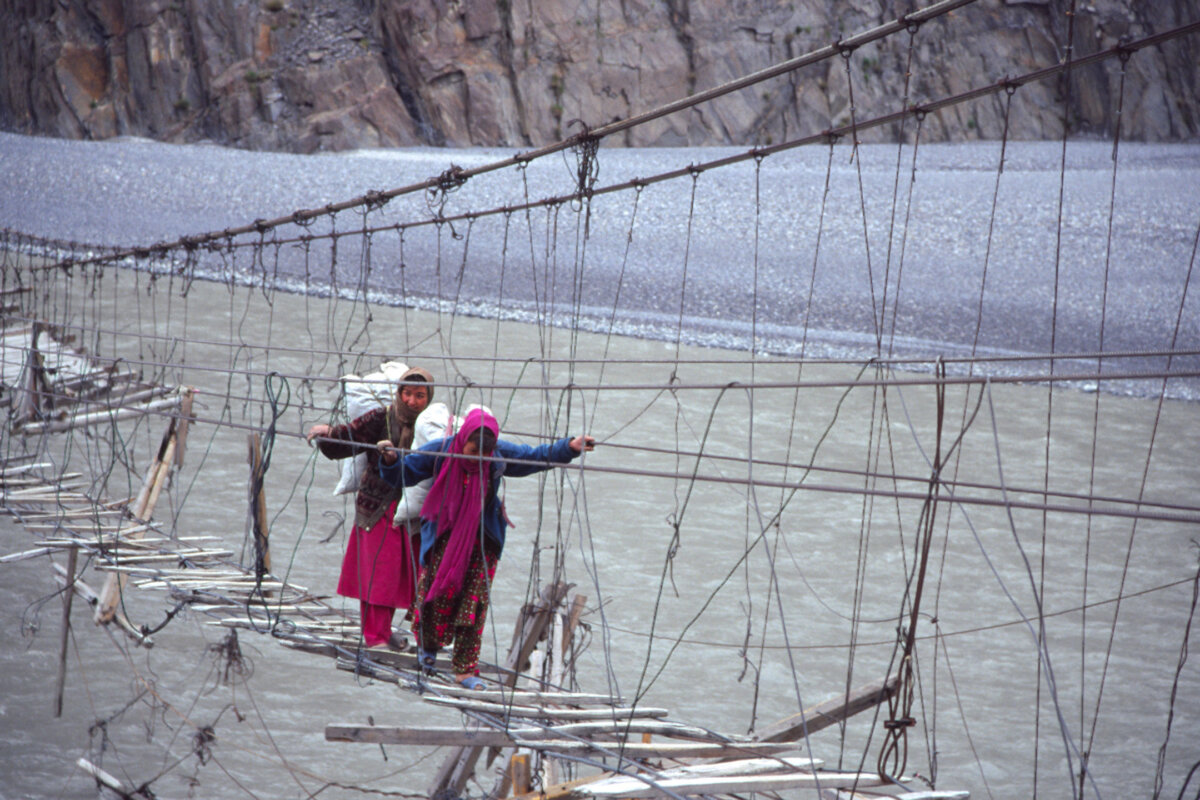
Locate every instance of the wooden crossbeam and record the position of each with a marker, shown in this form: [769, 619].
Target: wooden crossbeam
[830, 712]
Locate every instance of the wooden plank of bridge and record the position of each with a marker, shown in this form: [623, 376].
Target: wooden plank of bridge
[700, 773]
[186, 402]
[459, 765]
[519, 766]
[560, 791]
[830, 712]
[76, 584]
[68, 596]
[626, 787]
[102, 777]
[536, 739]
[33, 378]
[108, 415]
[258, 507]
[531, 697]
[156, 477]
[541, 712]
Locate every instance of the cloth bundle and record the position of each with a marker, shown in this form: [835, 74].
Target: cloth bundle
[363, 394]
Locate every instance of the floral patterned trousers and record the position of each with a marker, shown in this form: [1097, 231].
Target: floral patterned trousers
[458, 619]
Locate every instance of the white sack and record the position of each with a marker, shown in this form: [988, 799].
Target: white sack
[371, 391]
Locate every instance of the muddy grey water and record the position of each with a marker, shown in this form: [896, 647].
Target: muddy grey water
[269, 740]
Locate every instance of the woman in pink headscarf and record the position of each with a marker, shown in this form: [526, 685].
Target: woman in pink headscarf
[462, 529]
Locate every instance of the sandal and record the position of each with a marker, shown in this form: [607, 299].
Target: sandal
[426, 660]
[397, 641]
[471, 682]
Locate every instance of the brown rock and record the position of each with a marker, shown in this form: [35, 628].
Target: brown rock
[333, 74]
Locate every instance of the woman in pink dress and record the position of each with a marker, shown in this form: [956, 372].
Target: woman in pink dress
[379, 568]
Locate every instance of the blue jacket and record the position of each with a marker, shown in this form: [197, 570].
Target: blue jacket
[427, 462]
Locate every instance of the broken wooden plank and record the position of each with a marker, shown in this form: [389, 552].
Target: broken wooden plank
[85, 592]
[102, 777]
[68, 596]
[830, 712]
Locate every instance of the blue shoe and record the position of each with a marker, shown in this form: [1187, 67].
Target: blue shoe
[426, 660]
[472, 682]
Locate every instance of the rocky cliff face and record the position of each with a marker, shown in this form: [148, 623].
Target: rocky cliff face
[308, 75]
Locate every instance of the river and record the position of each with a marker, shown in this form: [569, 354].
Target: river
[734, 651]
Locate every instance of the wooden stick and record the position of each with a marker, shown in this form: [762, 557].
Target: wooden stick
[33, 376]
[156, 476]
[557, 792]
[830, 712]
[101, 776]
[68, 596]
[258, 507]
[487, 737]
[101, 373]
[93, 528]
[17, 494]
[85, 592]
[37, 551]
[622, 786]
[520, 772]
[528, 697]
[186, 418]
[620, 728]
[17, 468]
[26, 481]
[53, 497]
[77, 512]
[114, 400]
[83, 420]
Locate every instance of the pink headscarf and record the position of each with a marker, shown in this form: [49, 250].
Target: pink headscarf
[455, 502]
